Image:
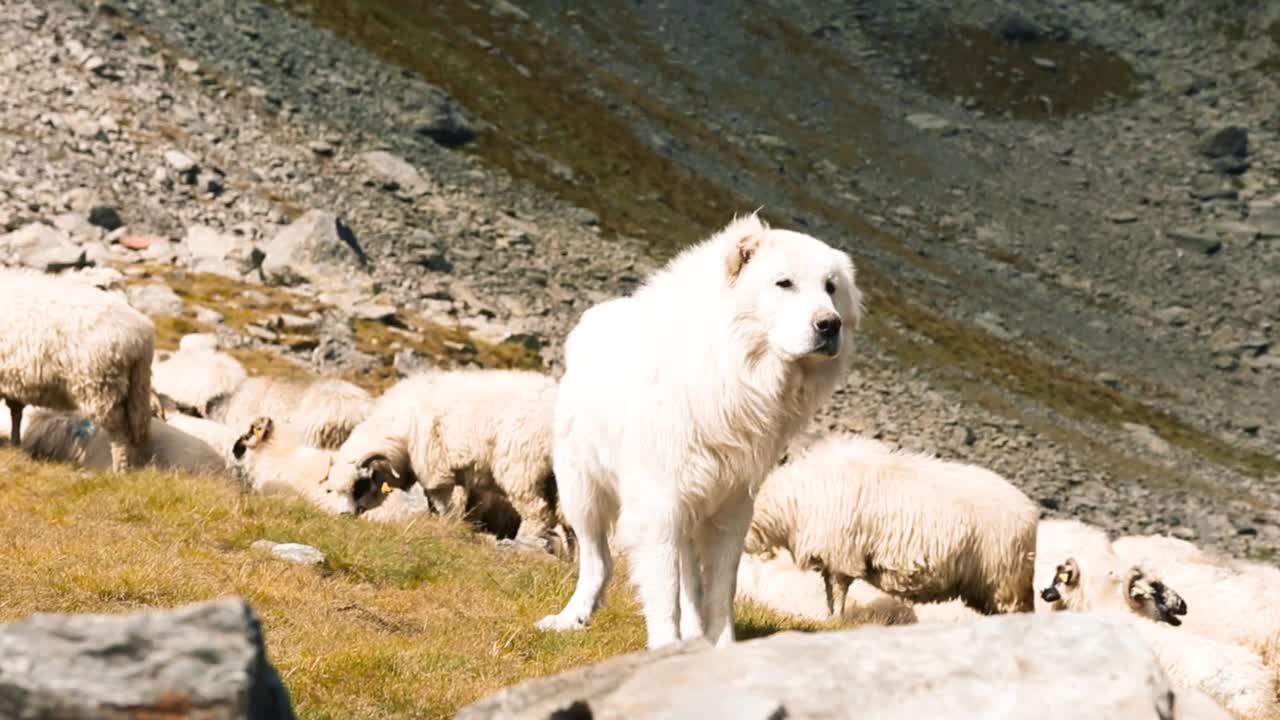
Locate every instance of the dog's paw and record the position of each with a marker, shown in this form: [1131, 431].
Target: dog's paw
[561, 623]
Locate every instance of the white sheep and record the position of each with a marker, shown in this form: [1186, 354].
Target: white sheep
[913, 525]
[218, 436]
[472, 428]
[67, 345]
[777, 583]
[1228, 600]
[319, 412]
[70, 437]
[271, 465]
[1233, 676]
[1077, 569]
[194, 377]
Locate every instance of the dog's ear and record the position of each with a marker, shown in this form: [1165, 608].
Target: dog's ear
[745, 236]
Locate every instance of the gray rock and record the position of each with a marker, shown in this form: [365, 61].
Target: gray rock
[1016, 28]
[376, 312]
[445, 122]
[1195, 241]
[42, 247]
[394, 173]
[293, 552]
[1147, 438]
[930, 123]
[208, 316]
[1019, 665]
[993, 324]
[316, 244]
[1122, 217]
[155, 299]
[1230, 141]
[1174, 315]
[217, 252]
[408, 362]
[180, 162]
[206, 659]
[1266, 218]
[105, 217]
[1207, 186]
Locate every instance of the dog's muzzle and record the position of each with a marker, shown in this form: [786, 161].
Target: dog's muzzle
[1050, 594]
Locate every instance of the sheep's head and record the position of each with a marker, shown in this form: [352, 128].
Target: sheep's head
[1152, 599]
[366, 483]
[158, 405]
[260, 431]
[1066, 579]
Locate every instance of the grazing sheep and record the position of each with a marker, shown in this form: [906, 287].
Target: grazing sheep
[477, 429]
[912, 525]
[70, 437]
[1233, 676]
[273, 466]
[67, 345]
[778, 584]
[1078, 570]
[193, 378]
[1230, 600]
[319, 413]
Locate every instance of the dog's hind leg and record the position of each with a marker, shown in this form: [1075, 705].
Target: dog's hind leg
[652, 544]
[720, 542]
[591, 514]
[691, 625]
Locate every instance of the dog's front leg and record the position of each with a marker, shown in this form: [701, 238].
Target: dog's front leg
[720, 548]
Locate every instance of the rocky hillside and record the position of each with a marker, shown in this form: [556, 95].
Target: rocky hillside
[1067, 216]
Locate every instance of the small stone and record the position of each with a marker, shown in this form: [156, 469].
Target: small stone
[1049, 503]
[1225, 362]
[321, 148]
[107, 218]
[1045, 64]
[1195, 241]
[1230, 141]
[186, 65]
[1121, 217]
[1208, 186]
[155, 299]
[1265, 216]
[1175, 315]
[260, 333]
[1016, 28]
[293, 552]
[408, 362]
[1148, 438]
[965, 436]
[993, 324]
[929, 122]
[394, 173]
[1109, 379]
[180, 162]
[139, 242]
[375, 312]
[208, 316]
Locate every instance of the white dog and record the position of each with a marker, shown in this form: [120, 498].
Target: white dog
[678, 400]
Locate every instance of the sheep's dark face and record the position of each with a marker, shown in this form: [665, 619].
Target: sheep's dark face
[1065, 580]
[1152, 599]
[375, 478]
[260, 431]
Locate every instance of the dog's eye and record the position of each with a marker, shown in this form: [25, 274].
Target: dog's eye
[784, 283]
[831, 288]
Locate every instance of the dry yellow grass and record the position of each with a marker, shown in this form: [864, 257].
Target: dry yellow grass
[400, 622]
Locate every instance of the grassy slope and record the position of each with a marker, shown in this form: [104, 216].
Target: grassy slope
[400, 622]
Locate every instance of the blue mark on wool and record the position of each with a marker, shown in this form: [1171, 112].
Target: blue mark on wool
[83, 430]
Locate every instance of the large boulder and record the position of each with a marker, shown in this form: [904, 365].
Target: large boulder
[316, 246]
[1011, 666]
[41, 247]
[205, 660]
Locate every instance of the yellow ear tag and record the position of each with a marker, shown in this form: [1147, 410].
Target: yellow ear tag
[385, 488]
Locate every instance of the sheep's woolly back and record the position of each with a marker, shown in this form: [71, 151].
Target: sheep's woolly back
[194, 377]
[278, 467]
[216, 435]
[317, 412]
[1233, 676]
[65, 344]
[912, 524]
[70, 437]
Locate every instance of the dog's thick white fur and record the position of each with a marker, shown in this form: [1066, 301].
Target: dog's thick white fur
[675, 404]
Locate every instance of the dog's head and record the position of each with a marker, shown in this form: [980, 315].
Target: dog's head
[801, 291]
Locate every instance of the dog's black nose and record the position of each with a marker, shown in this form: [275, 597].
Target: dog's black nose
[828, 326]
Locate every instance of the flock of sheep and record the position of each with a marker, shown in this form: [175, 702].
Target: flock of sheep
[893, 536]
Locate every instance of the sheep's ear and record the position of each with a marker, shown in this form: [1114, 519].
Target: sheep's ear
[157, 405]
[259, 431]
[1137, 590]
[745, 236]
[1068, 573]
[379, 464]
